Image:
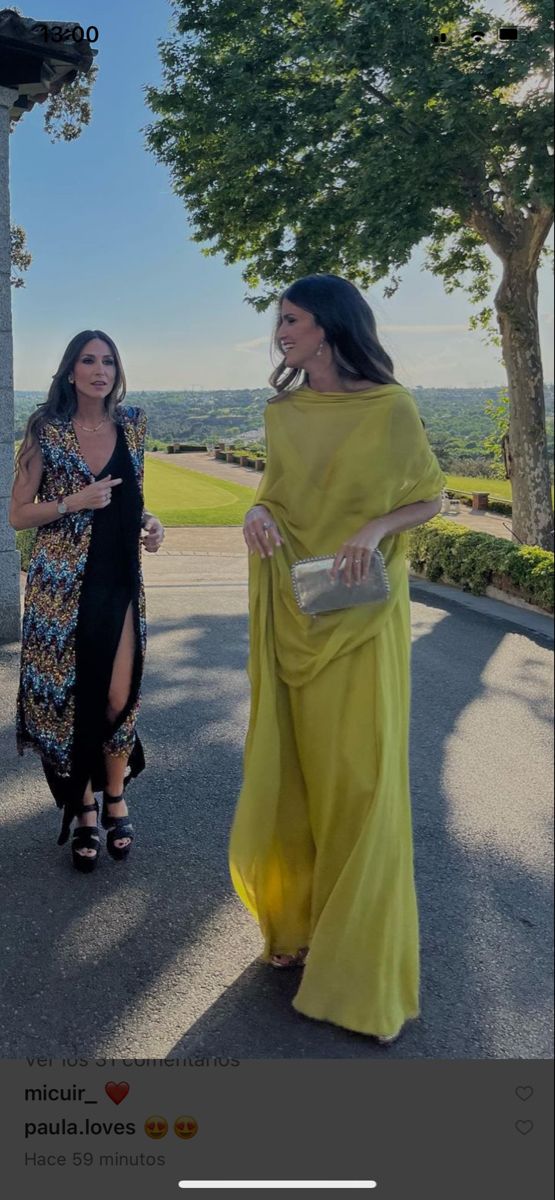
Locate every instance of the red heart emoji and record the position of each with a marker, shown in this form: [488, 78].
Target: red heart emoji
[116, 1091]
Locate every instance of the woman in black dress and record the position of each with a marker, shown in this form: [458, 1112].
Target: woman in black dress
[79, 482]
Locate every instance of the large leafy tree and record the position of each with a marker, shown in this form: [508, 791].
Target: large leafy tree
[337, 135]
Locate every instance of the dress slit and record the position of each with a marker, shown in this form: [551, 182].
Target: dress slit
[136, 668]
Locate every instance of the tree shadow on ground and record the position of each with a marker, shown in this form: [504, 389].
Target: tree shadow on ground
[158, 952]
[484, 914]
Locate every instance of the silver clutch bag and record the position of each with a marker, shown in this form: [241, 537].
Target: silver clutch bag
[316, 593]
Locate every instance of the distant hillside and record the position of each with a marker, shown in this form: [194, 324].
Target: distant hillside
[454, 417]
[181, 416]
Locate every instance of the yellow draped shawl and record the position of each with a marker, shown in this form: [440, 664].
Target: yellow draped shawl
[335, 460]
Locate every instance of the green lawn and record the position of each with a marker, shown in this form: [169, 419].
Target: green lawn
[501, 488]
[182, 497]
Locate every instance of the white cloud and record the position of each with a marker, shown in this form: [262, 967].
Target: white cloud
[255, 345]
[426, 328]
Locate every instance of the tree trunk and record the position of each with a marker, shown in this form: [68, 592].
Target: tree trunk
[516, 303]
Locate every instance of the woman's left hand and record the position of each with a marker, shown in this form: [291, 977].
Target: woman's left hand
[154, 534]
[356, 553]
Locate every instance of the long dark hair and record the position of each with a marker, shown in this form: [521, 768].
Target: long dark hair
[61, 401]
[350, 328]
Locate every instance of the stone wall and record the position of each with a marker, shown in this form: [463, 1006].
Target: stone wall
[9, 557]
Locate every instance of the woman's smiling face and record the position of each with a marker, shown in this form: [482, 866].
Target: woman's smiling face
[299, 335]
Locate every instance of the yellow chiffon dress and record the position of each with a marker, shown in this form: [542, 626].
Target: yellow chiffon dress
[321, 845]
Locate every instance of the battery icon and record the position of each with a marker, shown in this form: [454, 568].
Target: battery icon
[508, 33]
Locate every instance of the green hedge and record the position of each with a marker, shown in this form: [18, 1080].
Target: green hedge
[500, 506]
[25, 540]
[474, 561]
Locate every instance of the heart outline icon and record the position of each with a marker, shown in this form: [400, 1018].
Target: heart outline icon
[524, 1092]
[524, 1127]
[116, 1091]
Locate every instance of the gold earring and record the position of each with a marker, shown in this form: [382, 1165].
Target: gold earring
[320, 348]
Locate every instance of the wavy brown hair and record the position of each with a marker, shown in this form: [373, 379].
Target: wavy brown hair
[350, 328]
[61, 401]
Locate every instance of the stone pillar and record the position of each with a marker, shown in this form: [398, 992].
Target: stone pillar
[9, 556]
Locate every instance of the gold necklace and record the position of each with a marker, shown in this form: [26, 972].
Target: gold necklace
[87, 430]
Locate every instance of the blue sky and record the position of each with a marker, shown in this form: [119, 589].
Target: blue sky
[111, 249]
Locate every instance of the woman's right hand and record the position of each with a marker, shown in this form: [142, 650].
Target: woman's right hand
[95, 495]
[261, 532]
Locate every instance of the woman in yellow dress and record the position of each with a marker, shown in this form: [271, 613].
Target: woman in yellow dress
[321, 846]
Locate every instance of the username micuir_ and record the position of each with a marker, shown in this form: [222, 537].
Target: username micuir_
[44, 1092]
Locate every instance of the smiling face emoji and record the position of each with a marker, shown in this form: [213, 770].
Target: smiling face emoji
[156, 1127]
[185, 1127]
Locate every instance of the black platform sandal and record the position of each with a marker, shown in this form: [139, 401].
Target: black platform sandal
[85, 837]
[117, 827]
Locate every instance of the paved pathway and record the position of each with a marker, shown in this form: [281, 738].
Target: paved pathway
[483, 522]
[158, 951]
[201, 539]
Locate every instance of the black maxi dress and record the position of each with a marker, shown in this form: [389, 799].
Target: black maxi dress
[110, 585]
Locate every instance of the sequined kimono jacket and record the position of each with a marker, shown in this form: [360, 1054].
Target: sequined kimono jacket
[46, 699]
